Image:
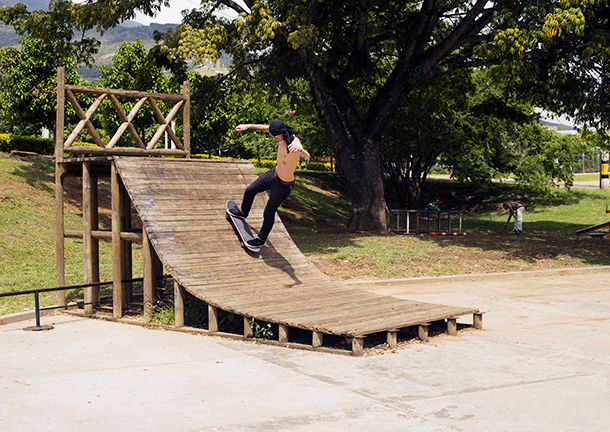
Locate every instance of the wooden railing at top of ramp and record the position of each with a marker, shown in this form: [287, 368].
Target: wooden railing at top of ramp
[65, 91]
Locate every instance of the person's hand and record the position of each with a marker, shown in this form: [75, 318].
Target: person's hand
[295, 146]
[241, 128]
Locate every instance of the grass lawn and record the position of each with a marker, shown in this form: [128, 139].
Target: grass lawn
[315, 215]
[548, 240]
[27, 234]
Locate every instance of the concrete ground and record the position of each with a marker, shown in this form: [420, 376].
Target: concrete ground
[541, 364]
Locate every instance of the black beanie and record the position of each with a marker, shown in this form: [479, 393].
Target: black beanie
[278, 127]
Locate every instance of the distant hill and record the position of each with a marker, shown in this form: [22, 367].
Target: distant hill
[113, 37]
[128, 31]
[559, 127]
[31, 4]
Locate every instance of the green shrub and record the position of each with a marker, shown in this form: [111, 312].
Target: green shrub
[206, 156]
[264, 163]
[316, 166]
[43, 146]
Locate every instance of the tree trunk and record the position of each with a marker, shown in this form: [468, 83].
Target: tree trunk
[361, 168]
[358, 154]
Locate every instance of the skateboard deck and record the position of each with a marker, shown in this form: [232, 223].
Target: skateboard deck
[241, 226]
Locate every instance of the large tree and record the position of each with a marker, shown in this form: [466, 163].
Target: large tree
[28, 81]
[362, 57]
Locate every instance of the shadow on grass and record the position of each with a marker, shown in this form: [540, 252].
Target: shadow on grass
[37, 172]
[451, 195]
[532, 248]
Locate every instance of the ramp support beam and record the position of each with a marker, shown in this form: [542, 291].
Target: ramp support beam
[422, 331]
[477, 319]
[178, 304]
[248, 333]
[91, 248]
[117, 247]
[212, 318]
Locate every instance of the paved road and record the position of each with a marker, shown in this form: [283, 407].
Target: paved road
[577, 184]
[541, 364]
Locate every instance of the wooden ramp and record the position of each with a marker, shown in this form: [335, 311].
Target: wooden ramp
[182, 205]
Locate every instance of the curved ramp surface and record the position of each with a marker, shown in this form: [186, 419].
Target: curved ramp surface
[182, 205]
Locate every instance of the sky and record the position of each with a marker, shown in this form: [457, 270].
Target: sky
[170, 15]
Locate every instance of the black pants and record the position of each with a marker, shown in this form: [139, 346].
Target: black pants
[279, 192]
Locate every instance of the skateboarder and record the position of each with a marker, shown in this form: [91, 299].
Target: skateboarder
[515, 209]
[278, 180]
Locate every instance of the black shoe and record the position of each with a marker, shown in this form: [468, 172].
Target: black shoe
[256, 242]
[237, 213]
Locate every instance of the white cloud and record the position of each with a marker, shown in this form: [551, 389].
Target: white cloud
[168, 15]
[173, 14]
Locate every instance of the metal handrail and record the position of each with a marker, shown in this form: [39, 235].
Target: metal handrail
[36, 293]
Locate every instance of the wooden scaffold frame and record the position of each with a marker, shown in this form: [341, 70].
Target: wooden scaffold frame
[102, 165]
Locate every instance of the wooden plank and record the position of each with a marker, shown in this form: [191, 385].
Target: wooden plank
[123, 93]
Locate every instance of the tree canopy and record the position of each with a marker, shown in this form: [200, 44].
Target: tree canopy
[28, 78]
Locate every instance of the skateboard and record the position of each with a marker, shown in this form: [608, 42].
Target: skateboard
[243, 230]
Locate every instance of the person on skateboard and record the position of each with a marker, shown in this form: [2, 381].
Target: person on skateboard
[278, 180]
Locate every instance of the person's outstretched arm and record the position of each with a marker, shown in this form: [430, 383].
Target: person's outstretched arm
[243, 127]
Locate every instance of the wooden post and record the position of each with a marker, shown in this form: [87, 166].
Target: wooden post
[248, 333]
[127, 249]
[117, 248]
[89, 249]
[452, 326]
[178, 304]
[317, 339]
[59, 187]
[95, 243]
[358, 346]
[149, 285]
[392, 337]
[284, 332]
[477, 319]
[186, 119]
[422, 332]
[212, 318]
